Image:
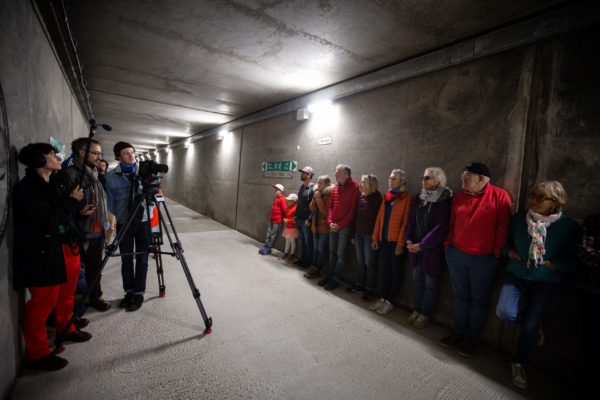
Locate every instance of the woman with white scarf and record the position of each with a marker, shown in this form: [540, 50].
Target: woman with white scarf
[541, 249]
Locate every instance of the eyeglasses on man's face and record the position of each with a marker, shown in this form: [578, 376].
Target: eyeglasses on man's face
[96, 153]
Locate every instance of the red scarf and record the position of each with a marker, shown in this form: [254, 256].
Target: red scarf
[390, 196]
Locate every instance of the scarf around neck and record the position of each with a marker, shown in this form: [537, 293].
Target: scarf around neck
[537, 227]
[432, 196]
[392, 194]
[98, 194]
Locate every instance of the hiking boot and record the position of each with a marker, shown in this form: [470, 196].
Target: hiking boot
[136, 304]
[77, 336]
[127, 300]
[421, 322]
[467, 347]
[313, 272]
[451, 340]
[385, 308]
[332, 284]
[377, 304]
[50, 362]
[412, 317]
[519, 377]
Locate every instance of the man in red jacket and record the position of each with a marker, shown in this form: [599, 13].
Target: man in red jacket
[278, 210]
[479, 223]
[340, 216]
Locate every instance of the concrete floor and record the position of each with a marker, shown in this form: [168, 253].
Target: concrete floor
[276, 336]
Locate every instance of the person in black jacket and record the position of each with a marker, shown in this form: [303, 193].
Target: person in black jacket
[45, 261]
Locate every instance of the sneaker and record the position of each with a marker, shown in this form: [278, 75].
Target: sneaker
[412, 317]
[519, 377]
[451, 340]
[313, 272]
[377, 304]
[80, 322]
[77, 336]
[323, 282]
[385, 308]
[100, 305]
[136, 304]
[50, 362]
[421, 322]
[354, 289]
[332, 284]
[126, 302]
[368, 295]
[467, 347]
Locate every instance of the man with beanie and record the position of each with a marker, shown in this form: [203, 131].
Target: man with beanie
[90, 227]
[303, 215]
[479, 222]
[123, 190]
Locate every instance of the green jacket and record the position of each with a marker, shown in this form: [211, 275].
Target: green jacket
[561, 242]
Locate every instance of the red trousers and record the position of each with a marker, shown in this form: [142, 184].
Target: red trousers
[46, 299]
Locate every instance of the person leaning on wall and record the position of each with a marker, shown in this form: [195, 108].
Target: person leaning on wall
[303, 216]
[319, 225]
[479, 220]
[542, 249]
[46, 262]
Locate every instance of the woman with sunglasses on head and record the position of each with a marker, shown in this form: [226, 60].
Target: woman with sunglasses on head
[425, 234]
[541, 249]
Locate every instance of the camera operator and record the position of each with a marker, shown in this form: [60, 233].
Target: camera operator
[90, 227]
[45, 259]
[123, 190]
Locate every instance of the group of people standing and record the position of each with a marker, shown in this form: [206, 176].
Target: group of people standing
[62, 215]
[468, 231]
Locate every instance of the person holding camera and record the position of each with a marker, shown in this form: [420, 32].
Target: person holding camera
[90, 227]
[46, 262]
[123, 188]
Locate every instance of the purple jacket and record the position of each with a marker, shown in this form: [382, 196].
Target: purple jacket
[431, 255]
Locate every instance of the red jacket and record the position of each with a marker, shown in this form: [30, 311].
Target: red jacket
[278, 209]
[342, 205]
[479, 223]
[289, 216]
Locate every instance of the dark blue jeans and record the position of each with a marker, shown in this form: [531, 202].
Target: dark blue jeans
[337, 252]
[91, 256]
[537, 296]
[365, 262]
[306, 239]
[425, 291]
[391, 275]
[471, 278]
[320, 242]
[138, 237]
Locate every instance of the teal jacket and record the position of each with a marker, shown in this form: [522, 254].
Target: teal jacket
[561, 249]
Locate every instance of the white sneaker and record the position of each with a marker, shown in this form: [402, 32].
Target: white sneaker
[412, 317]
[385, 308]
[421, 322]
[376, 305]
[519, 377]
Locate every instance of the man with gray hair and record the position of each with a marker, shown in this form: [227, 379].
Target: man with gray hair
[340, 216]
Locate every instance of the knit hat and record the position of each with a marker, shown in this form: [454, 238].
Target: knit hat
[278, 186]
[478, 168]
[120, 146]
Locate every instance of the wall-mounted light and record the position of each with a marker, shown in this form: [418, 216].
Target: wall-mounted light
[321, 106]
[187, 143]
[167, 149]
[222, 134]
[302, 114]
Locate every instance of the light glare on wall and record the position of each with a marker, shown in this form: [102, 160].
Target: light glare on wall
[168, 149]
[222, 134]
[187, 143]
[321, 107]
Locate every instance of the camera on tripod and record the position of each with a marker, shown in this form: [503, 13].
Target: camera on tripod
[148, 173]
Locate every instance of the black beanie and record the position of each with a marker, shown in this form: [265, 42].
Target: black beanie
[120, 146]
[33, 155]
[478, 168]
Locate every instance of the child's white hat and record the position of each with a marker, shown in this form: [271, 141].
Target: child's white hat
[292, 197]
[278, 186]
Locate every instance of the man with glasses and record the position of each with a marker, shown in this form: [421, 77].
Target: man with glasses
[478, 231]
[90, 227]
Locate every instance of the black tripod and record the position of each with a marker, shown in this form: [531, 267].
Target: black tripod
[148, 197]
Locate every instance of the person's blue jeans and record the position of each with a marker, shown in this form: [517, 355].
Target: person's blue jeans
[338, 242]
[138, 237]
[391, 275]
[365, 262]
[425, 291]
[306, 239]
[537, 297]
[471, 278]
[272, 232]
[320, 243]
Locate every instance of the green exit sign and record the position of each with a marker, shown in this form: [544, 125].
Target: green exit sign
[279, 166]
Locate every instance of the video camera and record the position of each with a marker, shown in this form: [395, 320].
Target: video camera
[148, 171]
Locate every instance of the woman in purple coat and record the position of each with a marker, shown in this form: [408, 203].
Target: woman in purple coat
[427, 228]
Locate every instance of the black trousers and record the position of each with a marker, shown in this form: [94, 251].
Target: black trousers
[91, 256]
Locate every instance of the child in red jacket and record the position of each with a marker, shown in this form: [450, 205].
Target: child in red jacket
[278, 210]
[290, 233]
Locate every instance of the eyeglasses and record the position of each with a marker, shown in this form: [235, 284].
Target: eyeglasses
[538, 197]
[426, 178]
[96, 153]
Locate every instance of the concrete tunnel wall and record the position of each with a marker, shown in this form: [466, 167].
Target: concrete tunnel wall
[530, 113]
[39, 104]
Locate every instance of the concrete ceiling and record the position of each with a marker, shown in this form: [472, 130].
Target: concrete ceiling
[159, 70]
